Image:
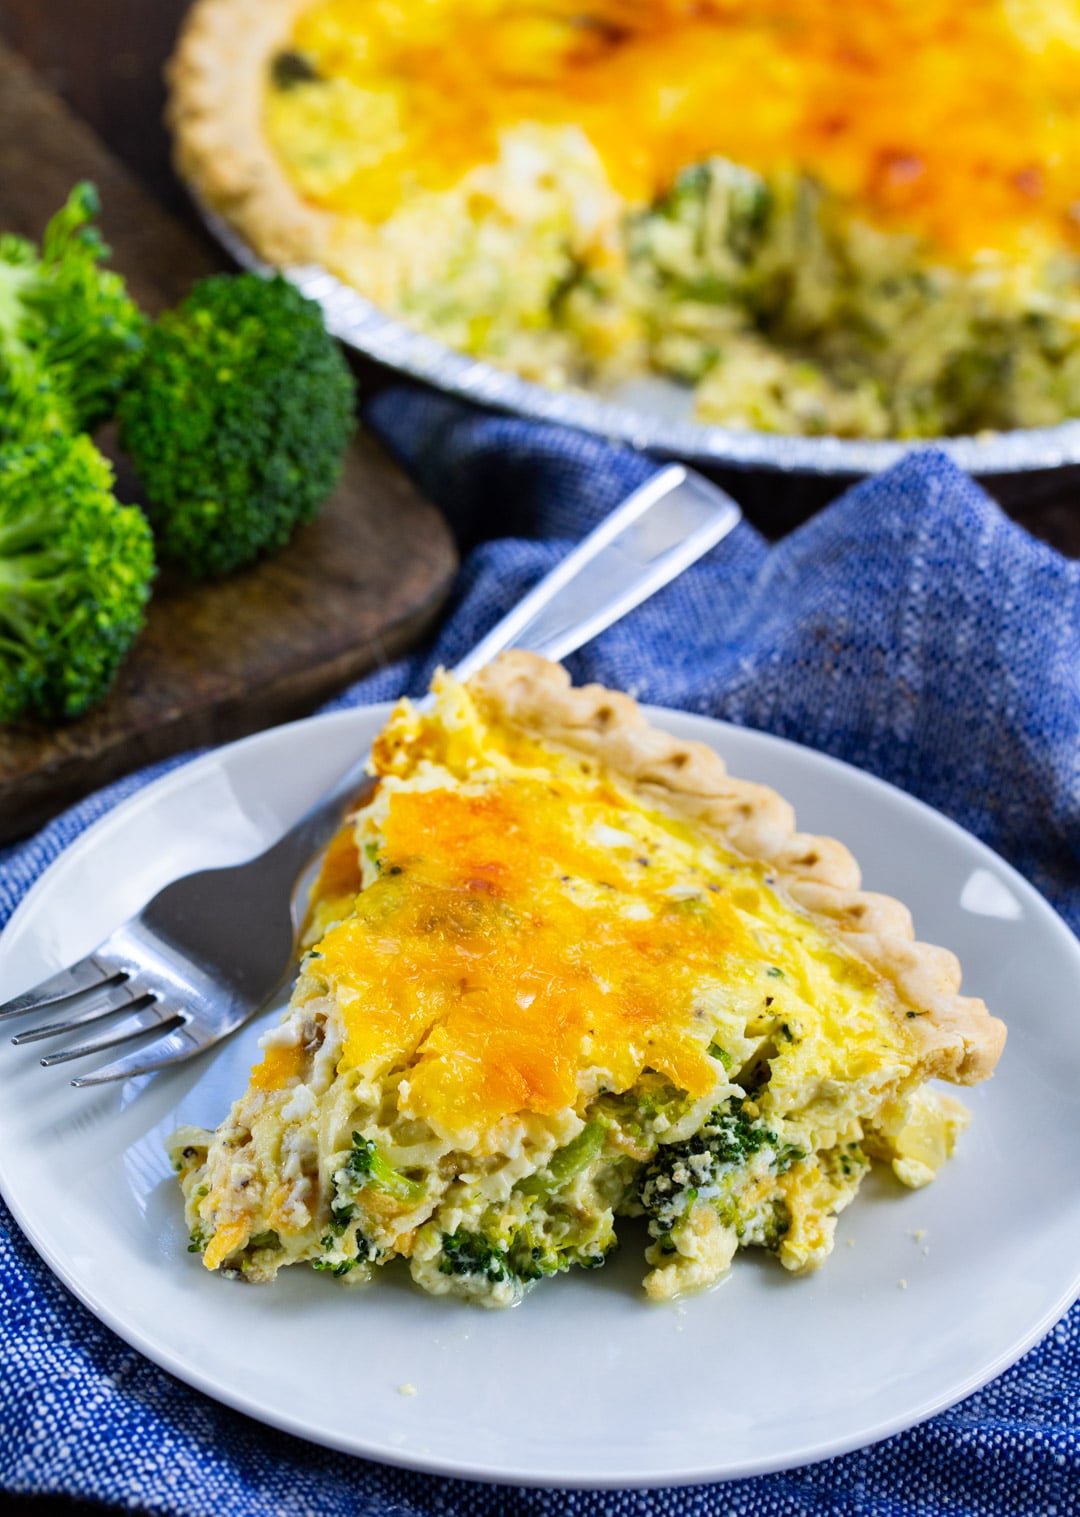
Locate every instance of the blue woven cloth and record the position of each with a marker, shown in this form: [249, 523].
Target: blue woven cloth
[910, 629]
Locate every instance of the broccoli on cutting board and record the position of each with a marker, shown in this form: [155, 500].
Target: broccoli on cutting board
[69, 333]
[236, 409]
[236, 420]
[75, 575]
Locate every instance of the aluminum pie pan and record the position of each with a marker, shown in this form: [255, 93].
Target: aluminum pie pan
[645, 415]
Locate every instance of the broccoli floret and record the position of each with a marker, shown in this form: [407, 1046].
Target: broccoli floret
[529, 1254]
[290, 69]
[542, 1246]
[69, 333]
[468, 1253]
[366, 1166]
[342, 1251]
[642, 1113]
[75, 575]
[529, 1239]
[546, 1244]
[704, 237]
[726, 205]
[237, 421]
[681, 1173]
[345, 1245]
[337, 1267]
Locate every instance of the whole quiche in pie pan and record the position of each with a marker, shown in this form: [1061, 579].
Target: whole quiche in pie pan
[791, 232]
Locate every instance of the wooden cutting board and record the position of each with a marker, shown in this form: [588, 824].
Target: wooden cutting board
[351, 591]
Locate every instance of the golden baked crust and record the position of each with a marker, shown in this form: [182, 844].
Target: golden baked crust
[957, 1038]
[216, 80]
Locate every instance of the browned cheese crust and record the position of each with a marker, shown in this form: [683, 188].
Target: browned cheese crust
[956, 1037]
[216, 81]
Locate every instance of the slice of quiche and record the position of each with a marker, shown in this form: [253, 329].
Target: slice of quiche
[561, 969]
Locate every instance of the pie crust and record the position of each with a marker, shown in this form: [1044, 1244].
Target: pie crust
[216, 78]
[955, 1036]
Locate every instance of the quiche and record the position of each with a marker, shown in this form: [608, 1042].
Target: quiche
[816, 216]
[561, 969]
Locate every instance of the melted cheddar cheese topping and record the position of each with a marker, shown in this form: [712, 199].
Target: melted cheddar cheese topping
[479, 956]
[526, 922]
[952, 119]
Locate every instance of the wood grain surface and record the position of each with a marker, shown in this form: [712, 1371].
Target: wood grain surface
[105, 59]
[353, 589]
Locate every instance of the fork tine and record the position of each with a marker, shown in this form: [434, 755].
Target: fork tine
[110, 999]
[174, 1048]
[146, 1015]
[87, 974]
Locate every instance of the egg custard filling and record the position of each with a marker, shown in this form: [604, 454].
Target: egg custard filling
[547, 986]
[815, 216]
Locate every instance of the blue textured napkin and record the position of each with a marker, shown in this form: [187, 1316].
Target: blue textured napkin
[910, 629]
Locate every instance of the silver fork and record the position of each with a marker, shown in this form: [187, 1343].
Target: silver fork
[211, 949]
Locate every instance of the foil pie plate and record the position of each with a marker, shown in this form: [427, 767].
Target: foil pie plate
[651, 414]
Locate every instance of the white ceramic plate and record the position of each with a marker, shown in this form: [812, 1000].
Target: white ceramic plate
[585, 1384]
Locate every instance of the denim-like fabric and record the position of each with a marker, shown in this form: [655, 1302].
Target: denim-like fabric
[910, 629]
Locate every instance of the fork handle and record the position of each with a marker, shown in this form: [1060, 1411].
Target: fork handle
[656, 533]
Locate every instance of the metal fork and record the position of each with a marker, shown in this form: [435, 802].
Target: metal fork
[211, 949]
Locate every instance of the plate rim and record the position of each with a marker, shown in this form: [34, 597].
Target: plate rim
[183, 1367]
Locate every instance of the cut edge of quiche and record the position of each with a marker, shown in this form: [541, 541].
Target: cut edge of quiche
[563, 968]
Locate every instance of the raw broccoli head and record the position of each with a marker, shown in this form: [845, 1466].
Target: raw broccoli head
[75, 574]
[237, 421]
[69, 333]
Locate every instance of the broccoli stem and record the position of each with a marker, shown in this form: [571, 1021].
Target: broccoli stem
[566, 1163]
[366, 1166]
